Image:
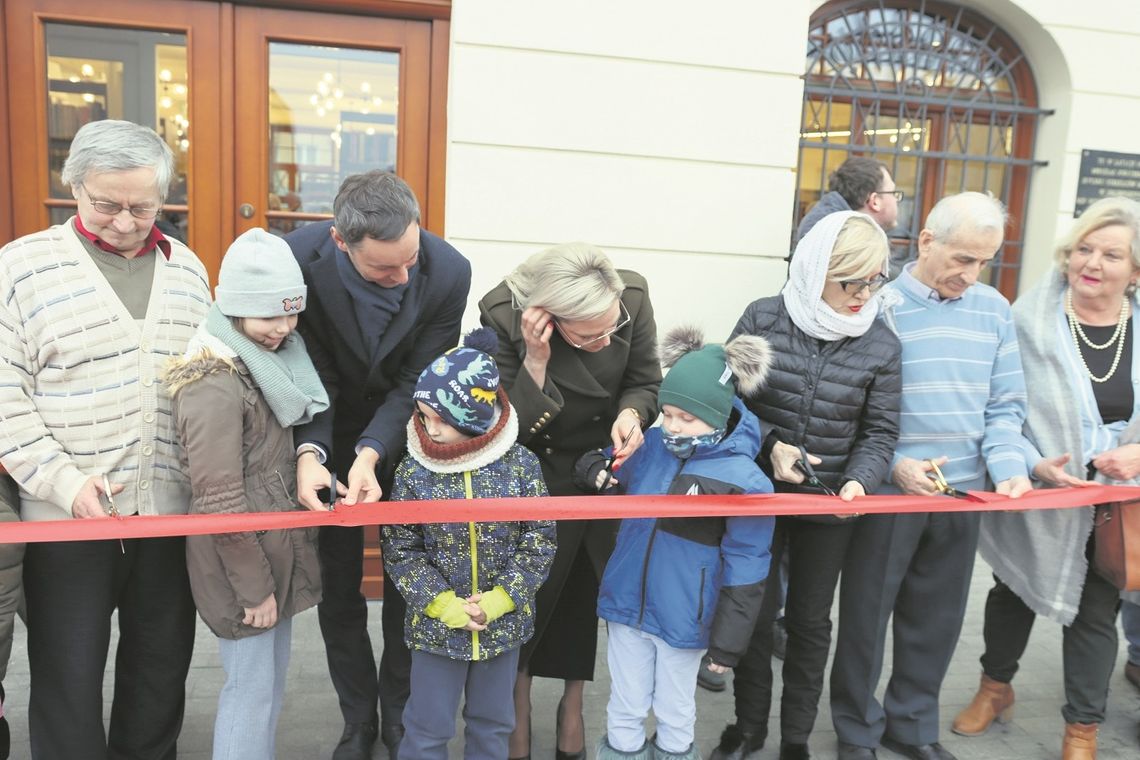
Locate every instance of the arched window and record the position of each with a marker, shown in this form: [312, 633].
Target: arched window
[939, 94]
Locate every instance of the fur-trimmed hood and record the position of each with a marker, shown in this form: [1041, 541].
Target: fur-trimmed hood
[204, 355]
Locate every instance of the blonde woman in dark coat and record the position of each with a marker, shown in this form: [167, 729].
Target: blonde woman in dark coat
[577, 354]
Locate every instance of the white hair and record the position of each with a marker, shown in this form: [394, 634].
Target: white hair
[968, 212]
[110, 145]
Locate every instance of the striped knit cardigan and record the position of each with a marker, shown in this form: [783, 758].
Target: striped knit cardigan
[79, 388]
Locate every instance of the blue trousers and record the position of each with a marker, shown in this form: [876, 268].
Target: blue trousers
[488, 708]
[1130, 620]
[250, 702]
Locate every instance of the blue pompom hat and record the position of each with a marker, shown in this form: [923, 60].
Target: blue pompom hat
[462, 385]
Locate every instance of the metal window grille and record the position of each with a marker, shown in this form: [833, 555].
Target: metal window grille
[941, 95]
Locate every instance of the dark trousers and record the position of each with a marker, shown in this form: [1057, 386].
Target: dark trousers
[343, 617]
[916, 567]
[72, 589]
[488, 708]
[815, 554]
[565, 638]
[1088, 648]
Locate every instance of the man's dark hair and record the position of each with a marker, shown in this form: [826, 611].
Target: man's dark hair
[375, 204]
[856, 178]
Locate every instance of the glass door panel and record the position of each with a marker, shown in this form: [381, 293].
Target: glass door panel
[95, 73]
[322, 97]
[333, 112]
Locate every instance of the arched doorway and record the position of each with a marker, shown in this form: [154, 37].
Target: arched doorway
[939, 93]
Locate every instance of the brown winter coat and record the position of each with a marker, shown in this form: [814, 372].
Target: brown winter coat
[239, 459]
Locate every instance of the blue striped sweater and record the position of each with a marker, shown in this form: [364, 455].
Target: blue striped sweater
[963, 392]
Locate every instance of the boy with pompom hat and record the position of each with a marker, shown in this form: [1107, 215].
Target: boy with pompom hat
[676, 586]
[469, 586]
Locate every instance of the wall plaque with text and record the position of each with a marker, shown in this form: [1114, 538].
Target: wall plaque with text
[1104, 174]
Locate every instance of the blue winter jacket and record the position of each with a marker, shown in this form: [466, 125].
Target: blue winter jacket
[695, 582]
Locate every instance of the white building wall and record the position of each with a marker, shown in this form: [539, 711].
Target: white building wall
[634, 125]
[666, 132]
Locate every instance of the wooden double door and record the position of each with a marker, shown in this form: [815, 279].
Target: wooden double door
[267, 109]
[266, 106]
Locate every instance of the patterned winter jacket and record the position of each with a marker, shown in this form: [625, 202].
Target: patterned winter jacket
[427, 560]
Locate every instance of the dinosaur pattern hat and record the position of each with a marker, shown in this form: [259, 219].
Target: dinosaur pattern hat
[462, 385]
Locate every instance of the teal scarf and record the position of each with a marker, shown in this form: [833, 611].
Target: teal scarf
[286, 377]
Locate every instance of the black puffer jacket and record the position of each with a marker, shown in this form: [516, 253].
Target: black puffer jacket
[840, 398]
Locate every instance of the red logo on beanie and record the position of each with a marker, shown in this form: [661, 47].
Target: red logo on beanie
[296, 303]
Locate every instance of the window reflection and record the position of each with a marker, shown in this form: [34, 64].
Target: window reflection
[98, 73]
[332, 112]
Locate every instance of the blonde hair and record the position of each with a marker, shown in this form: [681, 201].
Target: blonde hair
[1105, 212]
[573, 281]
[860, 247]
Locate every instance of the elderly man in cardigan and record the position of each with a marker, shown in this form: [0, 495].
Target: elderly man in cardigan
[92, 309]
[963, 404]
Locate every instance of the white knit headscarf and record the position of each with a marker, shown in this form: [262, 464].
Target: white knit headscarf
[806, 277]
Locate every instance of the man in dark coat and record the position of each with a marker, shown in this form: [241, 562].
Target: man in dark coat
[385, 298]
[859, 184]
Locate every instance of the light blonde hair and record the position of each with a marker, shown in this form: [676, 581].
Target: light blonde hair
[1105, 212]
[860, 247]
[573, 281]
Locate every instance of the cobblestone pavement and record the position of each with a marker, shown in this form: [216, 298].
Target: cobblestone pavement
[311, 724]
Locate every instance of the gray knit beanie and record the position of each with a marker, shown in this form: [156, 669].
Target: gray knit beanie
[260, 278]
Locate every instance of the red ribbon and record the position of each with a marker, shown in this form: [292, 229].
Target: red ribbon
[551, 508]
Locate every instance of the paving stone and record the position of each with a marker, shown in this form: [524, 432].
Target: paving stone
[311, 724]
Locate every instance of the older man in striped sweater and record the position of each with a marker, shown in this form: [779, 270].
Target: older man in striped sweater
[91, 310]
[963, 404]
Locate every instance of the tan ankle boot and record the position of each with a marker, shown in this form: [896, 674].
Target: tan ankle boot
[1080, 741]
[994, 701]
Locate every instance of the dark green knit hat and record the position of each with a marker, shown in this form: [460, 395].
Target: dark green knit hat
[701, 384]
[703, 380]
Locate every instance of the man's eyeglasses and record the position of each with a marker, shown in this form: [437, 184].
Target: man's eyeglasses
[114, 209]
[855, 287]
[899, 194]
[622, 322]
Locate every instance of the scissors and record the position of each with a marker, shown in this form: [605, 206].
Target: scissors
[332, 491]
[609, 466]
[941, 485]
[113, 509]
[810, 478]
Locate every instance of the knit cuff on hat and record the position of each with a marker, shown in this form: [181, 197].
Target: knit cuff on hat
[448, 609]
[496, 603]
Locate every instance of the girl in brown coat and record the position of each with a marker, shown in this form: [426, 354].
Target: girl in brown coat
[244, 382]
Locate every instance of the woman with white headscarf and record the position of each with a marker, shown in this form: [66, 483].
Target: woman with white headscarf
[831, 397]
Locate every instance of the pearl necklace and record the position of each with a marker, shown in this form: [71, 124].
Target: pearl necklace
[1079, 336]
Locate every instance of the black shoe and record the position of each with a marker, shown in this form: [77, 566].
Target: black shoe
[933, 751]
[356, 742]
[736, 744]
[1132, 673]
[391, 734]
[5, 734]
[794, 751]
[779, 638]
[559, 754]
[855, 752]
[707, 679]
